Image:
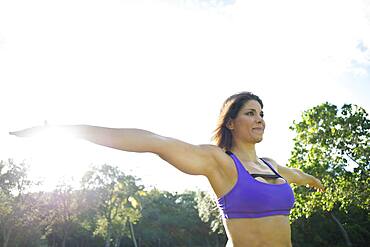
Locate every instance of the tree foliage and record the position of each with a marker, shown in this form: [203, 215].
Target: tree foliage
[62, 212]
[209, 212]
[111, 209]
[333, 145]
[117, 204]
[171, 219]
[17, 209]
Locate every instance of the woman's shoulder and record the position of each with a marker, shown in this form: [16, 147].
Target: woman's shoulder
[213, 149]
[217, 153]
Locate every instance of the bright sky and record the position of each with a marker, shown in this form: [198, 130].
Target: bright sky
[167, 66]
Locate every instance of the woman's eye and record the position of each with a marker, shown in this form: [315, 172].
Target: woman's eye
[251, 113]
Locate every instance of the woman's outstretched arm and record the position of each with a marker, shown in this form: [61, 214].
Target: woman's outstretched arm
[191, 159]
[297, 176]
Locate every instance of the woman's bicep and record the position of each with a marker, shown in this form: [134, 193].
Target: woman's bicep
[289, 174]
[188, 158]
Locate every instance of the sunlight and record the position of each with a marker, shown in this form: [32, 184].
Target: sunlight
[108, 61]
[56, 156]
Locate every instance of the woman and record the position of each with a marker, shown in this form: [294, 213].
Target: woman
[253, 193]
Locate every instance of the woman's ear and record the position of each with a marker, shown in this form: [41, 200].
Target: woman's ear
[230, 124]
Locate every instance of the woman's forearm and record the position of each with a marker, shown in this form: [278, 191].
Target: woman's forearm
[132, 140]
[303, 178]
[308, 180]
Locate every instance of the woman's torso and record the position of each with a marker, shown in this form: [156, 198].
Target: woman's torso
[262, 231]
[259, 232]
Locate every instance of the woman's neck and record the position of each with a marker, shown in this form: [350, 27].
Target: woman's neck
[246, 151]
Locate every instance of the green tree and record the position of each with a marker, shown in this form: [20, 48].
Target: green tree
[14, 208]
[209, 213]
[62, 214]
[85, 220]
[172, 219]
[117, 203]
[333, 144]
[28, 231]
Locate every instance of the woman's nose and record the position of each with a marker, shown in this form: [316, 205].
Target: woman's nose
[259, 119]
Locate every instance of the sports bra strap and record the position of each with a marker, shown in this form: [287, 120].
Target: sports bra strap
[271, 167]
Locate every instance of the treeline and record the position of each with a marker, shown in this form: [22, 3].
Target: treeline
[113, 209]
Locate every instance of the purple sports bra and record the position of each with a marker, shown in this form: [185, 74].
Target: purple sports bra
[250, 198]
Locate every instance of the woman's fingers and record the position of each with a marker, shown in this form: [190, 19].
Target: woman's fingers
[316, 183]
[27, 132]
[19, 133]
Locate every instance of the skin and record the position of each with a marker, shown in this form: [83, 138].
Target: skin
[210, 161]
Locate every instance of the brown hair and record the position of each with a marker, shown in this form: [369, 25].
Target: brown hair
[222, 135]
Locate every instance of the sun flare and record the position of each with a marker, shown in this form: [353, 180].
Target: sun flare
[55, 156]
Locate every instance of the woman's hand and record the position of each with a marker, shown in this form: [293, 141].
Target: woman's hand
[29, 132]
[311, 181]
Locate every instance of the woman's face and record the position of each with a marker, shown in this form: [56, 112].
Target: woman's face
[248, 126]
